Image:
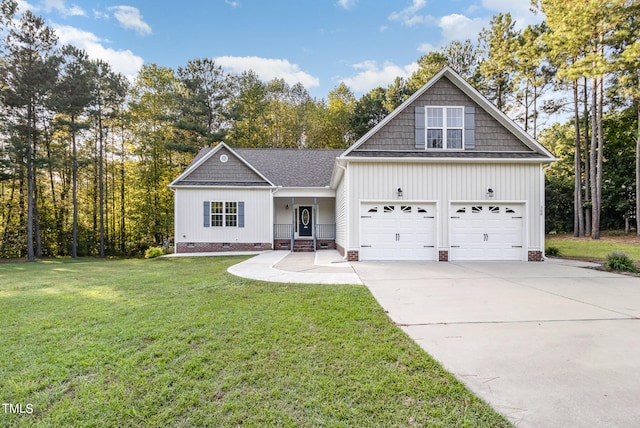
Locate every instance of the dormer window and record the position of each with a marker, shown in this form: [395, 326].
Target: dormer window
[444, 127]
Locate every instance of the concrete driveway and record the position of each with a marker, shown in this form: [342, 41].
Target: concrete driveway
[546, 344]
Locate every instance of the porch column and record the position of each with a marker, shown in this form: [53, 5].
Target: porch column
[293, 219]
[315, 223]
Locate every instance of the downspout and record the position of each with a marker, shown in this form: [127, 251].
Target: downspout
[293, 219]
[542, 210]
[346, 212]
[315, 223]
[272, 216]
[175, 220]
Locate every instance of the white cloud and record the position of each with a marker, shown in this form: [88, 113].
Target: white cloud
[347, 4]
[426, 48]
[409, 16]
[268, 69]
[130, 18]
[23, 6]
[460, 27]
[59, 6]
[121, 61]
[520, 11]
[370, 75]
[232, 3]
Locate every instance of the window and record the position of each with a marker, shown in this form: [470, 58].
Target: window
[224, 214]
[445, 127]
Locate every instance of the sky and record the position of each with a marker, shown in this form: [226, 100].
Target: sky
[319, 43]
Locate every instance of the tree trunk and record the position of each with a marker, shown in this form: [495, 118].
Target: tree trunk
[587, 170]
[578, 213]
[74, 189]
[638, 169]
[595, 214]
[100, 184]
[30, 199]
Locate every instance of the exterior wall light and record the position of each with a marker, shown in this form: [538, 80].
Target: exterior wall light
[399, 192]
[490, 192]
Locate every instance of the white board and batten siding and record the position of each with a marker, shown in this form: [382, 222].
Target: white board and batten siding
[190, 227]
[445, 183]
[341, 214]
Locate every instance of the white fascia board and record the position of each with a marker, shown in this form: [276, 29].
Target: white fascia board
[338, 173]
[361, 159]
[305, 192]
[230, 187]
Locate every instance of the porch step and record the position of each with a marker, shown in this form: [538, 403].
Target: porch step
[303, 246]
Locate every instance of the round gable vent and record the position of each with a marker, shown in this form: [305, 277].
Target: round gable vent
[224, 158]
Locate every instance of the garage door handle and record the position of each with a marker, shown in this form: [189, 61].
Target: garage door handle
[429, 246]
[455, 217]
[365, 246]
[516, 246]
[517, 217]
[455, 246]
[429, 217]
[365, 216]
[397, 236]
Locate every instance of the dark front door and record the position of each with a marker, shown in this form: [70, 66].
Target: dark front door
[305, 221]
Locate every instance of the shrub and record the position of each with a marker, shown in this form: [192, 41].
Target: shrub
[621, 262]
[153, 252]
[552, 251]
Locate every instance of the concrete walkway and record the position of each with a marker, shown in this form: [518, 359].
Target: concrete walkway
[321, 267]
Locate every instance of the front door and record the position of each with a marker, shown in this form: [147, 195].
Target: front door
[305, 221]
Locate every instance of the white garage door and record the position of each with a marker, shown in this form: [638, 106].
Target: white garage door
[397, 231]
[487, 232]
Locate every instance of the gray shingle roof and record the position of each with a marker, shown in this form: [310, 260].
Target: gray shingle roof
[284, 167]
[293, 167]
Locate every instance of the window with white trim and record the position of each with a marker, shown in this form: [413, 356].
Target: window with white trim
[444, 127]
[224, 214]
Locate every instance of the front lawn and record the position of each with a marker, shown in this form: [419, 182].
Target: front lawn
[597, 250]
[180, 342]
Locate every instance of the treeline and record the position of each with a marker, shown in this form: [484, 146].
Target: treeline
[86, 155]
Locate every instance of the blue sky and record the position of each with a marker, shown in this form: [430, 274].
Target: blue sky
[365, 43]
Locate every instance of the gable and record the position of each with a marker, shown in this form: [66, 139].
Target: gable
[449, 118]
[399, 133]
[212, 171]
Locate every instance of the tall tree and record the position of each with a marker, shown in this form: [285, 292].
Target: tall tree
[109, 91]
[28, 73]
[73, 94]
[247, 111]
[498, 45]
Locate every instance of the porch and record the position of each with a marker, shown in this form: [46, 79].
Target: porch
[304, 224]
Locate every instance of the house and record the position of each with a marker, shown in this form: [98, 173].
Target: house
[445, 176]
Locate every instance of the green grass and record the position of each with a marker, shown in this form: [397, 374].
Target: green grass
[587, 248]
[179, 342]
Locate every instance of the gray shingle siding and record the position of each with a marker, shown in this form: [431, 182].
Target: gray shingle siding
[399, 133]
[232, 171]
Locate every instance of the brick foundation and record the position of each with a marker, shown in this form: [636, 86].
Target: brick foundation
[217, 247]
[535, 256]
[443, 256]
[281, 244]
[353, 256]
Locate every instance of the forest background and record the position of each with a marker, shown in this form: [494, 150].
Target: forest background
[86, 154]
